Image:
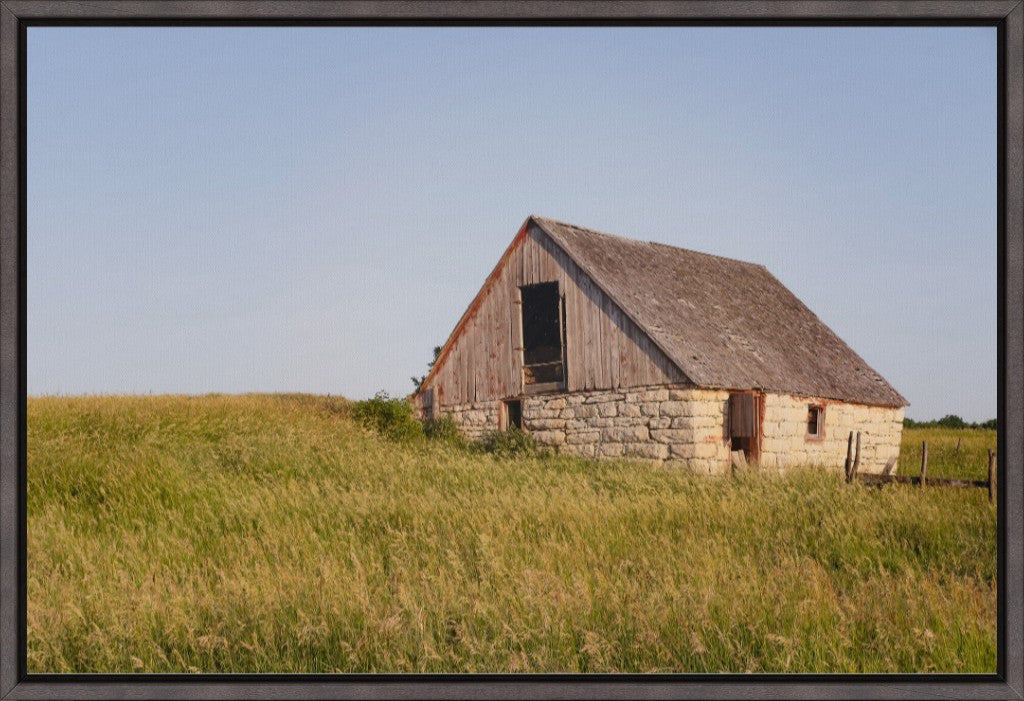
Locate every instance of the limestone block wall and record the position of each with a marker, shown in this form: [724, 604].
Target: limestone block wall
[658, 423]
[786, 443]
[475, 419]
[687, 425]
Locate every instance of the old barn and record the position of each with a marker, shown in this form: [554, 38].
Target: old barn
[604, 346]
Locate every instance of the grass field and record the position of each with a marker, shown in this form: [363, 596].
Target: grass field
[274, 534]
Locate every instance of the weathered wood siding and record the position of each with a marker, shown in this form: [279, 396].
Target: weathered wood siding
[604, 348]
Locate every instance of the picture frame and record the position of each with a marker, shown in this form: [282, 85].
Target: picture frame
[1006, 15]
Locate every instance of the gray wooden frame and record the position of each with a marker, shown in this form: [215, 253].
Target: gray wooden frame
[1008, 15]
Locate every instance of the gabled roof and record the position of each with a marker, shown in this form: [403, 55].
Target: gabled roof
[725, 323]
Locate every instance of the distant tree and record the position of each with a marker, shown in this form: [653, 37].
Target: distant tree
[418, 381]
[990, 424]
[951, 421]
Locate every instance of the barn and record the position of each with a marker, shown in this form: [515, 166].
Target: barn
[607, 347]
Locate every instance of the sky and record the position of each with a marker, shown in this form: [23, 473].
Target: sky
[312, 209]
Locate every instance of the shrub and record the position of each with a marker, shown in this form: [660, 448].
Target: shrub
[512, 442]
[392, 418]
[445, 430]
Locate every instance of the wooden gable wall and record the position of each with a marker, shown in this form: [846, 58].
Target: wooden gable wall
[604, 348]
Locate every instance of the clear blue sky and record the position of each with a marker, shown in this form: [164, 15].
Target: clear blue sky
[297, 209]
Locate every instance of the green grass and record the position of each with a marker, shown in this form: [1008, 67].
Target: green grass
[944, 460]
[274, 534]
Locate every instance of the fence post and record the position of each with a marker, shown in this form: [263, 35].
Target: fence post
[849, 458]
[991, 476]
[856, 459]
[924, 462]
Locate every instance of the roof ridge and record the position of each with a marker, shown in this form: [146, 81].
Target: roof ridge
[650, 243]
[559, 241]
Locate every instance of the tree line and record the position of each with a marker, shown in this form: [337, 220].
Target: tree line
[949, 421]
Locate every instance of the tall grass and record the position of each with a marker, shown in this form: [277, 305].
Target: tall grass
[275, 534]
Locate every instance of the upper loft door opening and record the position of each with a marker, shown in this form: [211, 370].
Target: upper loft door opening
[543, 338]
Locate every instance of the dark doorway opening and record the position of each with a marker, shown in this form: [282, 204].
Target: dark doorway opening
[513, 414]
[543, 336]
[745, 424]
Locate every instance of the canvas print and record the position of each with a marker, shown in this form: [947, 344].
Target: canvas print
[511, 349]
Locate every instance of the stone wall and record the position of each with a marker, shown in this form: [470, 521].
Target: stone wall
[660, 423]
[475, 419]
[786, 443]
[688, 425]
[663, 423]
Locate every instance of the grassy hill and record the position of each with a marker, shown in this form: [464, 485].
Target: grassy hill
[275, 534]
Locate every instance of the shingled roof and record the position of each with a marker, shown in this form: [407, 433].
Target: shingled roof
[725, 323]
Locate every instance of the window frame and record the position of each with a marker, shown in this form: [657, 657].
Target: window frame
[820, 423]
[505, 417]
[534, 387]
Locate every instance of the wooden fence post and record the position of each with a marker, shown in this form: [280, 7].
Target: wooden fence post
[849, 458]
[991, 476]
[856, 459]
[957, 444]
[924, 462]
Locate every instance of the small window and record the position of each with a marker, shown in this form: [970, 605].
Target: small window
[815, 420]
[513, 414]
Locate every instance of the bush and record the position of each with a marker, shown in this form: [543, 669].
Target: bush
[392, 418]
[512, 442]
[444, 430]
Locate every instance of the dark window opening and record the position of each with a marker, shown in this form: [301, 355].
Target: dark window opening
[543, 359]
[815, 414]
[513, 414]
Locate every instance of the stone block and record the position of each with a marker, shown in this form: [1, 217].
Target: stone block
[628, 409]
[549, 437]
[611, 450]
[545, 424]
[671, 435]
[654, 451]
[625, 435]
[676, 409]
[706, 450]
[604, 397]
[581, 437]
[475, 417]
[682, 450]
[650, 409]
[583, 450]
